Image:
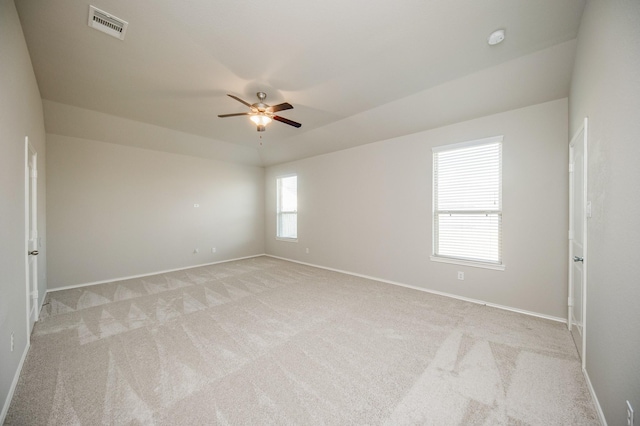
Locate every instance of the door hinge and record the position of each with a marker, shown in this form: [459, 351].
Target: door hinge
[571, 235]
[34, 294]
[571, 167]
[570, 302]
[34, 173]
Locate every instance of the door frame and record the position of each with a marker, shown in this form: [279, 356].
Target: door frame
[31, 217]
[584, 129]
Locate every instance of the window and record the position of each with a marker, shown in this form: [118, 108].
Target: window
[467, 203]
[287, 215]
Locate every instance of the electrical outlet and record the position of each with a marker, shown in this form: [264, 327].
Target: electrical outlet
[307, 250]
[213, 249]
[12, 344]
[629, 414]
[196, 251]
[460, 275]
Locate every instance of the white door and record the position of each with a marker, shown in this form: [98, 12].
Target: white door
[31, 204]
[578, 210]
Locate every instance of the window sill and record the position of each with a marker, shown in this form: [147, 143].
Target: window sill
[493, 266]
[289, 240]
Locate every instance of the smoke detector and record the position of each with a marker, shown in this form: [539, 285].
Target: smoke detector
[107, 23]
[496, 37]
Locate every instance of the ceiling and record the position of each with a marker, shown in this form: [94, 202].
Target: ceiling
[355, 71]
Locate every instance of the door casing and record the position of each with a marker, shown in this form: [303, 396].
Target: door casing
[578, 331]
[31, 233]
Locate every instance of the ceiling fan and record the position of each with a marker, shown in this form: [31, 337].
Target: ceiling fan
[261, 113]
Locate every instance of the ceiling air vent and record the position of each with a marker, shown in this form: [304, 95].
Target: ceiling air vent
[102, 21]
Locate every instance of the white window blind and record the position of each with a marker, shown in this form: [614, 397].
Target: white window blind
[287, 206]
[467, 201]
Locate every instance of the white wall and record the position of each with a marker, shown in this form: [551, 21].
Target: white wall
[118, 211]
[20, 116]
[606, 88]
[367, 210]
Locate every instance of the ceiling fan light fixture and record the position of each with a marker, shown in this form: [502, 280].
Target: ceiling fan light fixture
[261, 120]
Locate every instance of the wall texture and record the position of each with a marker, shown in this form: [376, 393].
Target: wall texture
[20, 116]
[367, 210]
[117, 211]
[606, 88]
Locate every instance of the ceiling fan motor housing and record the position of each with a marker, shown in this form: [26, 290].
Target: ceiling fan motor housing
[261, 106]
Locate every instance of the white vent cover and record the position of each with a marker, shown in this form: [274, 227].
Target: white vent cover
[102, 21]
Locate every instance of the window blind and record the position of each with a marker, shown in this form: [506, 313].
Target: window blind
[467, 201]
[287, 207]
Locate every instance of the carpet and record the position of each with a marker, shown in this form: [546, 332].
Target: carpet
[265, 341]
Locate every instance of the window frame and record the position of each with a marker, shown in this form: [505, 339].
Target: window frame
[279, 204]
[487, 264]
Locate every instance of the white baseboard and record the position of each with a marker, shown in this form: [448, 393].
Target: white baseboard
[439, 293]
[592, 391]
[149, 274]
[40, 307]
[14, 383]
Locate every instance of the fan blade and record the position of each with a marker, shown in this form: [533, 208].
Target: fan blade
[286, 121]
[280, 107]
[234, 115]
[240, 100]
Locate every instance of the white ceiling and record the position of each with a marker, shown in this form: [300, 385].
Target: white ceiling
[356, 71]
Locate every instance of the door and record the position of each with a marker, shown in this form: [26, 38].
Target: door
[31, 219]
[578, 209]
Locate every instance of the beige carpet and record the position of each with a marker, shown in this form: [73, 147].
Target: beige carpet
[264, 341]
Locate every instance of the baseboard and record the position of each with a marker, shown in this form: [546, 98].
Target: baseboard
[592, 391]
[40, 307]
[14, 383]
[150, 274]
[439, 293]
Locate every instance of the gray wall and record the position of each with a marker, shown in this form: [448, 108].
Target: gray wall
[117, 211]
[367, 210]
[606, 88]
[20, 116]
